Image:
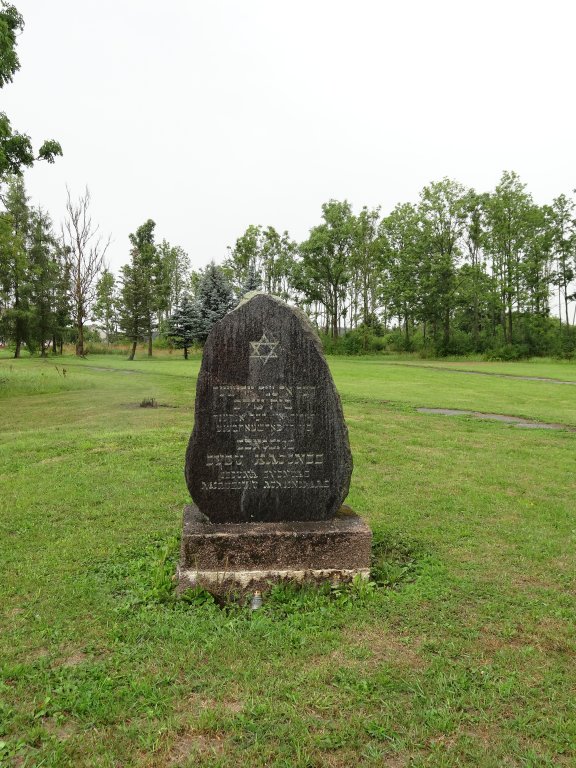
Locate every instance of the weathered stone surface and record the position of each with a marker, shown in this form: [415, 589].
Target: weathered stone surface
[238, 558]
[269, 440]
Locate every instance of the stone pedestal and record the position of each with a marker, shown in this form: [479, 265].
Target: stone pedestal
[237, 558]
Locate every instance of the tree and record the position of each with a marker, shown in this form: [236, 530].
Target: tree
[252, 282]
[43, 266]
[401, 235]
[105, 309]
[16, 150]
[185, 325]
[508, 225]
[564, 249]
[366, 266]
[133, 315]
[263, 257]
[324, 271]
[84, 251]
[215, 299]
[175, 274]
[443, 211]
[14, 272]
[150, 279]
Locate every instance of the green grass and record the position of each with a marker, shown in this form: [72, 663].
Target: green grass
[463, 652]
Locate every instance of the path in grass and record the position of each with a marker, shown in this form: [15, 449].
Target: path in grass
[468, 660]
[501, 417]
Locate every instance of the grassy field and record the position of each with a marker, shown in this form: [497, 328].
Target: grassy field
[461, 653]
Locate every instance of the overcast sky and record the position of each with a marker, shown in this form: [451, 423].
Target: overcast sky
[210, 116]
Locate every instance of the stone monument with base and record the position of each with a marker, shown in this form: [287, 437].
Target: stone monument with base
[268, 464]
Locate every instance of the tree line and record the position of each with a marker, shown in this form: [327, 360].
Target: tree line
[455, 273]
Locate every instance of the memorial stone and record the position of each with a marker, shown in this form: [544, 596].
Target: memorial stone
[268, 464]
[269, 440]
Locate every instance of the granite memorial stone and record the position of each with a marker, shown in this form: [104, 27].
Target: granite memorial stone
[268, 464]
[269, 440]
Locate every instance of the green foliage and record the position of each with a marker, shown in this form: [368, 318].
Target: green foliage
[15, 148]
[214, 299]
[185, 326]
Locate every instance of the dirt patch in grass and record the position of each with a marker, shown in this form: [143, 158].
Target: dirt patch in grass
[546, 379]
[382, 647]
[192, 743]
[73, 660]
[61, 731]
[517, 421]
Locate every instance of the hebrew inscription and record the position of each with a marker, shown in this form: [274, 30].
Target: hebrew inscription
[250, 413]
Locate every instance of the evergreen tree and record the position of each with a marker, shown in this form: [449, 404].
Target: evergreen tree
[215, 298]
[185, 324]
[14, 265]
[43, 267]
[252, 282]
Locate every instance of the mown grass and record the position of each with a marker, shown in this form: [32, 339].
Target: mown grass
[462, 652]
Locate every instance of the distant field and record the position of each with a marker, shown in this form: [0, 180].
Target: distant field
[462, 654]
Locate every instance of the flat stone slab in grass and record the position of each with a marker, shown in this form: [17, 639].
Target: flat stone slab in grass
[269, 441]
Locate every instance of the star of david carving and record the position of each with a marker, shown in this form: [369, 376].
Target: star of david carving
[264, 349]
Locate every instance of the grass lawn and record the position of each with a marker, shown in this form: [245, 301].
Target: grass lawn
[461, 654]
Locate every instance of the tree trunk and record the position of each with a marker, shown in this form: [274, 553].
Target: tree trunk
[133, 350]
[185, 353]
[17, 350]
[80, 341]
[446, 328]
[53, 344]
[149, 343]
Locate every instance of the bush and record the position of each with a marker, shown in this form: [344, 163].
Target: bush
[509, 352]
[100, 348]
[360, 341]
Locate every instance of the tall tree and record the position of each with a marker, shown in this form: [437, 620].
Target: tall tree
[84, 251]
[508, 224]
[14, 263]
[563, 226]
[133, 318]
[105, 309]
[16, 150]
[44, 268]
[324, 271]
[401, 235]
[443, 211]
[366, 265]
[150, 279]
[174, 275]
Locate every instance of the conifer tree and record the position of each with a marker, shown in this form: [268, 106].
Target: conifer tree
[43, 274]
[185, 324]
[215, 298]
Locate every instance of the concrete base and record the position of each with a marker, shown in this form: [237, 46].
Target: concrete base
[235, 559]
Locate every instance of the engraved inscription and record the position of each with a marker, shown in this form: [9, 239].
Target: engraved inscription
[270, 424]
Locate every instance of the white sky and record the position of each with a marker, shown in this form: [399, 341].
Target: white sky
[210, 116]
